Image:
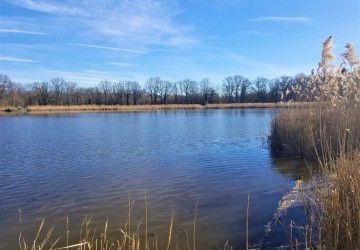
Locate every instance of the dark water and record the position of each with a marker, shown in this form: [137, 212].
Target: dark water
[79, 164]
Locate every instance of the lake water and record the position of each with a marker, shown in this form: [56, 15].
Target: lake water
[53, 166]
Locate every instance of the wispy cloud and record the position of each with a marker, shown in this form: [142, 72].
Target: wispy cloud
[108, 48]
[124, 22]
[299, 19]
[122, 64]
[25, 26]
[50, 7]
[14, 59]
[84, 77]
[18, 31]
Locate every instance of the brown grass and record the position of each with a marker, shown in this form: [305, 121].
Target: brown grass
[315, 132]
[338, 206]
[132, 236]
[332, 136]
[111, 108]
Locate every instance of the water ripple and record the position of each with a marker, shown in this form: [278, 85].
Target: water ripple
[72, 165]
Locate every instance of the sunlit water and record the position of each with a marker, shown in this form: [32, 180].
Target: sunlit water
[89, 164]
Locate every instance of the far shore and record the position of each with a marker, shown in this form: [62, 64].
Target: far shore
[51, 109]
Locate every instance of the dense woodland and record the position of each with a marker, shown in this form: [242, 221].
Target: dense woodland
[233, 89]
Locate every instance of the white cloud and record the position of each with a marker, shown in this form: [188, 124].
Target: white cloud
[19, 31]
[83, 78]
[122, 64]
[108, 48]
[50, 7]
[299, 19]
[122, 22]
[24, 25]
[14, 59]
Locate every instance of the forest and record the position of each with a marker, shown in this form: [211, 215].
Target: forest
[233, 89]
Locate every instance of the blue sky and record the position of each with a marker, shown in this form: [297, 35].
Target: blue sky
[91, 40]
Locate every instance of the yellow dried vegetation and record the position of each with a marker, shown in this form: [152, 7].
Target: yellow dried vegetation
[329, 133]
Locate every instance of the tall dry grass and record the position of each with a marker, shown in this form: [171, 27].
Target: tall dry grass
[329, 133]
[132, 235]
[315, 132]
[337, 206]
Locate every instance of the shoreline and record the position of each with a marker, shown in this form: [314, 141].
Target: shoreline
[50, 109]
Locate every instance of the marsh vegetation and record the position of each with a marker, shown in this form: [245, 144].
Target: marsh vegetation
[329, 133]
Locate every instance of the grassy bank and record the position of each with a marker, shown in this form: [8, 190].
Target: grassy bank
[141, 108]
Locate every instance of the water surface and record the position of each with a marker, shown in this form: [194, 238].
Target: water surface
[53, 166]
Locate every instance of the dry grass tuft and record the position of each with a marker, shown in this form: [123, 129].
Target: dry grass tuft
[338, 211]
[133, 236]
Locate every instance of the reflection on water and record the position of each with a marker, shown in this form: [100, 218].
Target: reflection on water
[295, 168]
[78, 164]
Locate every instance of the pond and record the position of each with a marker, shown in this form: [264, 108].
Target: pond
[184, 162]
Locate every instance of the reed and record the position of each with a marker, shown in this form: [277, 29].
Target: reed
[134, 236]
[338, 206]
[329, 133]
[315, 132]
[333, 139]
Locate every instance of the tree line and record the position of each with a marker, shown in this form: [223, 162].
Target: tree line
[233, 89]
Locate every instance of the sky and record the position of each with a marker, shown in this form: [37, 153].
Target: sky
[87, 41]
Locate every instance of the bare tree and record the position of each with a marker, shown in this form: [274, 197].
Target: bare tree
[41, 93]
[189, 88]
[128, 89]
[175, 90]
[240, 87]
[119, 92]
[136, 92]
[105, 87]
[245, 86]
[70, 88]
[237, 80]
[228, 88]
[5, 83]
[274, 90]
[57, 87]
[94, 95]
[207, 90]
[165, 88]
[260, 88]
[80, 96]
[194, 87]
[182, 90]
[285, 83]
[157, 88]
[152, 88]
